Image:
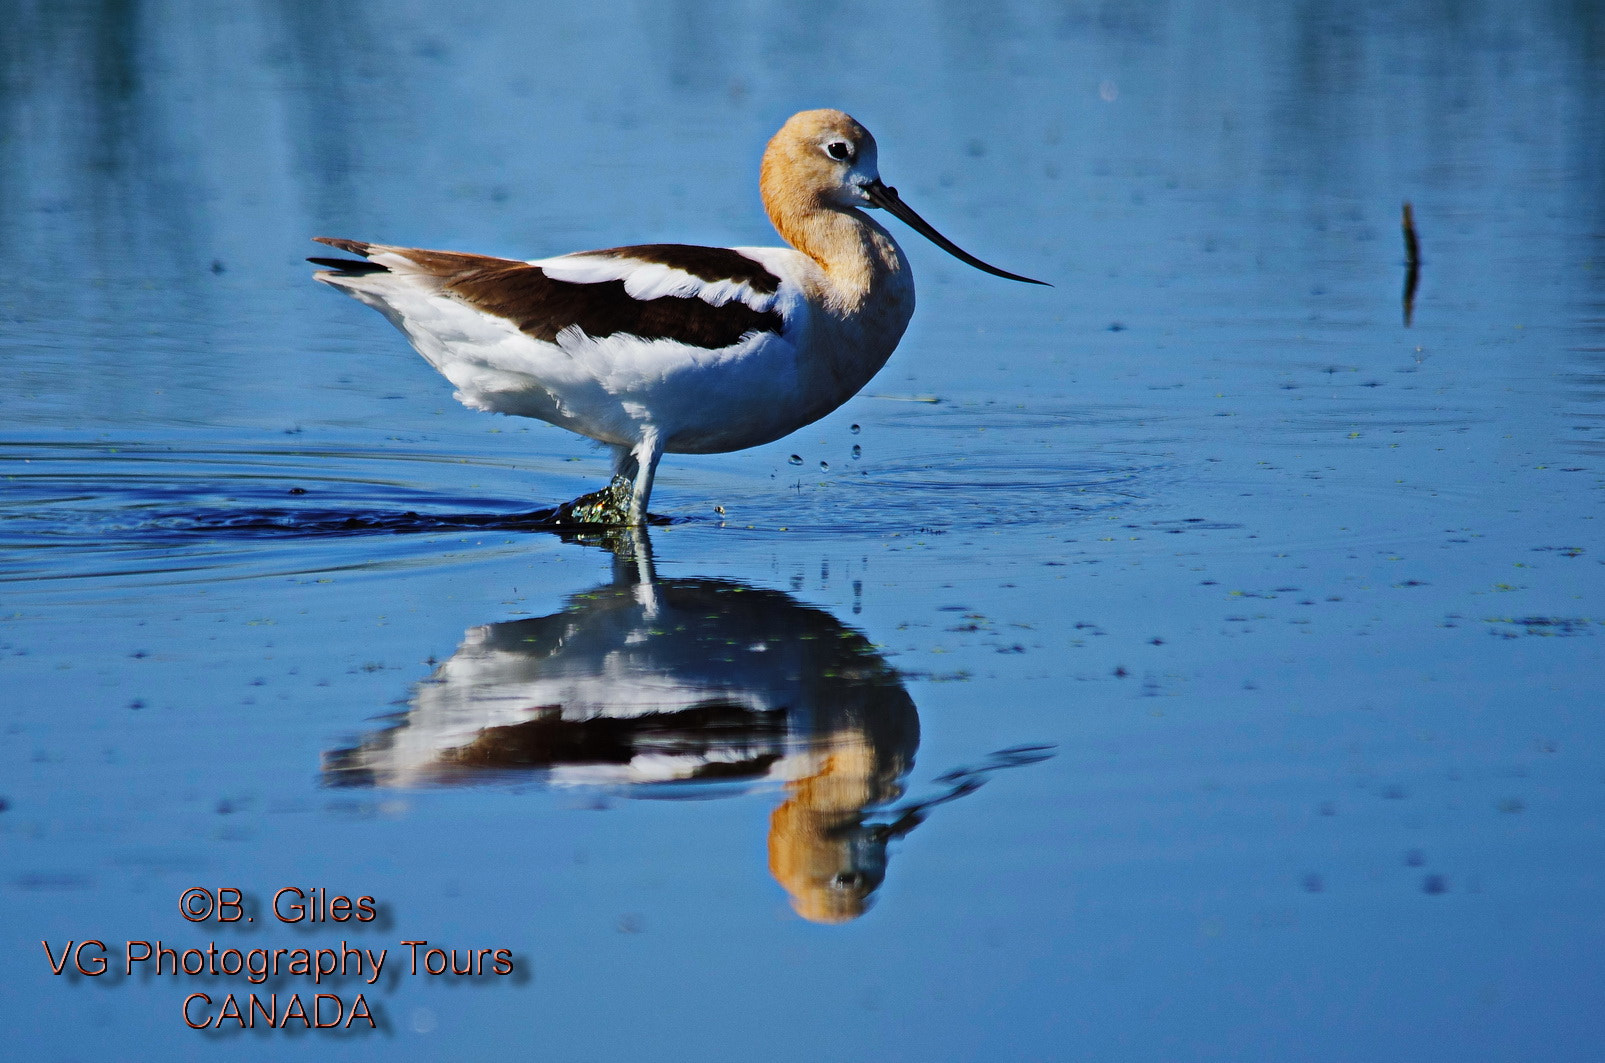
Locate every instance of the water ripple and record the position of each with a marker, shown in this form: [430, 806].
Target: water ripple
[170, 514]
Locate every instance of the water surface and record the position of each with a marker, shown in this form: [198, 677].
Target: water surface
[1193, 661]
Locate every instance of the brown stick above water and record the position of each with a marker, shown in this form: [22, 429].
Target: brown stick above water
[1412, 263]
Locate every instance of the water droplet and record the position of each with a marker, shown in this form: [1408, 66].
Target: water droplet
[795, 459]
[855, 429]
[858, 452]
[824, 466]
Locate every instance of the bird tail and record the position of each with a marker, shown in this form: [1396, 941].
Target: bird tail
[349, 267]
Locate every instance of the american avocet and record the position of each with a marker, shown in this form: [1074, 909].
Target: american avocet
[670, 347]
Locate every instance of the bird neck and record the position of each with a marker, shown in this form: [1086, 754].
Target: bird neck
[856, 254]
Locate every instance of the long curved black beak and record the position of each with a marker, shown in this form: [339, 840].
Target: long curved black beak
[886, 198]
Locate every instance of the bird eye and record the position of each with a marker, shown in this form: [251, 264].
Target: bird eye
[839, 149]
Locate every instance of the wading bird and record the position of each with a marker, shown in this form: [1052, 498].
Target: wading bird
[671, 347]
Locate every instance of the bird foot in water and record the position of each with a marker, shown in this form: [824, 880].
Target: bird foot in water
[610, 505]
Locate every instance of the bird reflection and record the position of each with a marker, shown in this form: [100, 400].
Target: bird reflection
[657, 684]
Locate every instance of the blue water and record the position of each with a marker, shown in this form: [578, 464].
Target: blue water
[1192, 661]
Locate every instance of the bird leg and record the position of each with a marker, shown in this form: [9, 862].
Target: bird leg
[624, 500]
[640, 463]
[644, 456]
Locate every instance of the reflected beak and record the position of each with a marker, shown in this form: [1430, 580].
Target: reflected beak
[885, 197]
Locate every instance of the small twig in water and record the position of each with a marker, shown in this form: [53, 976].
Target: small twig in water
[1412, 263]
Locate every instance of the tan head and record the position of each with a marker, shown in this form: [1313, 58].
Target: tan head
[820, 847]
[819, 160]
[830, 863]
[824, 161]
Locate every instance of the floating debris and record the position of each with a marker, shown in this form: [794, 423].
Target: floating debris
[1549, 626]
